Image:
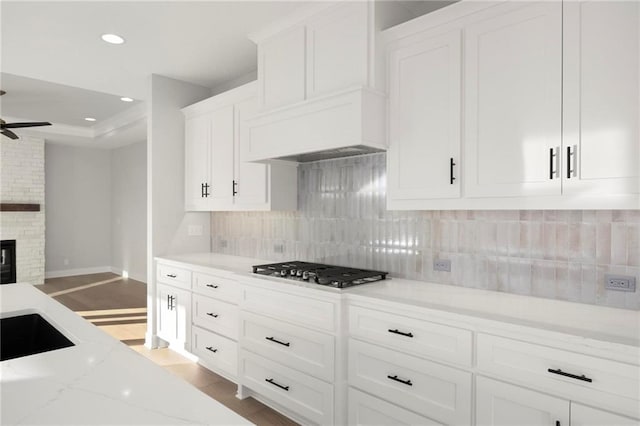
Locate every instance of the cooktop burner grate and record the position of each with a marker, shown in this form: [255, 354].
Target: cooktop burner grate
[329, 275]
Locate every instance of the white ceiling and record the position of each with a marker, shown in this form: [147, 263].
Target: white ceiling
[56, 68]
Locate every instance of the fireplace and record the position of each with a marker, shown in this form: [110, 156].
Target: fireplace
[8, 263]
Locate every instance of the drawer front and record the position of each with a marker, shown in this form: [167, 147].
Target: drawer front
[309, 397]
[439, 392]
[296, 309]
[215, 352]
[309, 351]
[215, 315]
[422, 338]
[217, 287]
[171, 275]
[612, 384]
[365, 410]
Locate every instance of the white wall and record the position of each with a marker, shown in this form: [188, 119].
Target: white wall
[78, 219]
[129, 210]
[167, 222]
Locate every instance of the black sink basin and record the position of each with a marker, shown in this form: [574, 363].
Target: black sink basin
[27, 335]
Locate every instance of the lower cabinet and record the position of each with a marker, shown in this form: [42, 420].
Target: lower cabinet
[215, 352]
[174, 316]
[365, 409]
[502, 404]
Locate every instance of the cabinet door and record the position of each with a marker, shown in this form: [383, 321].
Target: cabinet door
[425, 119]
[338, 46]
[281, 68]
[601, 96]
[587, 416]
[182, 308]
[251, 179]
[197, 146]
[222, 157]
[513, 76]
[501, 404]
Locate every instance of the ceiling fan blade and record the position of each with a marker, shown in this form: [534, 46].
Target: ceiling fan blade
[18, 125]
[10, 134]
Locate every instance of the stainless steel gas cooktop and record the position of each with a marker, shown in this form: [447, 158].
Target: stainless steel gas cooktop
[329, 275]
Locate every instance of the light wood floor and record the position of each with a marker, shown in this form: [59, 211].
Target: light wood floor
[118, 306]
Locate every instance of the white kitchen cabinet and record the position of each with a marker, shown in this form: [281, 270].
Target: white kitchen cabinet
[513, 101]
[174, 316]
[367, 410]
[217, 176]
[502, 404]
[425, 118]
[582, 415]
[281, 68]
[601, 98]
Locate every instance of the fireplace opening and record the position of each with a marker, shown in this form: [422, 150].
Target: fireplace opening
[8, 262]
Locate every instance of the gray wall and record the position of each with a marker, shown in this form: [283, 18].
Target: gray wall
[342, 219]
[129, 210]
[78, 216]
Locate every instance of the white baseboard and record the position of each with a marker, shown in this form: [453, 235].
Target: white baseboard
[94, 270]
[80, 271]
[121, 272]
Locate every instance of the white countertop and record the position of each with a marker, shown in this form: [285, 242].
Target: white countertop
[97, 381]
[589, 321]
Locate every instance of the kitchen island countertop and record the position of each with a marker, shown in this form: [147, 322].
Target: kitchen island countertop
[97, 381]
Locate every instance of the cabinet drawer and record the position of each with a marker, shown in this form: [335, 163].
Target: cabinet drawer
[215, 352]
[440, 392]
[365, 409]
[306, 350]
[216, 316]
[297, 309]
[171, 275]
[217, 287]
[422, 338]
[608, 384]
[309, 397]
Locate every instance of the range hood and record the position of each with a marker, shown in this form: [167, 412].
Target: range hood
[343, 124]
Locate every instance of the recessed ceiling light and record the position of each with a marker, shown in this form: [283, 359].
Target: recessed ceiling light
[125, 99]
[90, 119]
[112, 38]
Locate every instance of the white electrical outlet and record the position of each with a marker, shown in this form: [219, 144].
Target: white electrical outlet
[619, 282]
[194, 230]
[443, 265]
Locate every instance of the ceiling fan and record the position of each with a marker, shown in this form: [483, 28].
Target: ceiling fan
[4, 126]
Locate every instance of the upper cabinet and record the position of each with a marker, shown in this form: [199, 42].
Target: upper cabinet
[549, 106]
[513, 101]
[217, 175]
[319, 82]
[329, 49]
[601, 98]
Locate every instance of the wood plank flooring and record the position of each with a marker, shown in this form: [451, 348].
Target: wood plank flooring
[118, 307]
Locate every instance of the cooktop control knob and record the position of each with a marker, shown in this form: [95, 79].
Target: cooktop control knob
[305, 275]
[283, 272]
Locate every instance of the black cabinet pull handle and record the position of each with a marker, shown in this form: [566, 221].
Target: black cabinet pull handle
[573, 376]
[404, 382]
[451, 164]
[396, 331]
[171, 275]
[210, 349]
[569, 155]
[211, 314]
[274, 340]
[202, 190]
[168, 301]
[552, 156]
[212, 286]
[557, 422]
[233, 188]
[172, 299]
[277, 384]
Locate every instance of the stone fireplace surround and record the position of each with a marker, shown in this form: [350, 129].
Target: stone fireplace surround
[22, 183]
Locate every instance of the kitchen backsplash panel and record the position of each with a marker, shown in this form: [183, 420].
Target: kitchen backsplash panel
[342, 219]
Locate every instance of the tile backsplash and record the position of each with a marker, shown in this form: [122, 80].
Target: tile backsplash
[342, 219]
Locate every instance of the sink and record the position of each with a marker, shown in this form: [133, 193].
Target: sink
[28, 335]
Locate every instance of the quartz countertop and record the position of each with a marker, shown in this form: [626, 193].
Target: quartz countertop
[606, 324]
[97, 381]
